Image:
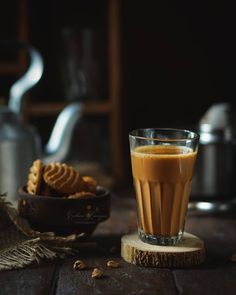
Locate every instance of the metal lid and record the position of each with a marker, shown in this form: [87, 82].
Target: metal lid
[218, 124]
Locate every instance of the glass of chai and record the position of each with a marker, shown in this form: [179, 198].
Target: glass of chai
[162, 165]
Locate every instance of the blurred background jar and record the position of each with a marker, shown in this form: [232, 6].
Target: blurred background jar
[214, 180]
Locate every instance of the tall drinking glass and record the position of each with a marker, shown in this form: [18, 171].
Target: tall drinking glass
[163, 162]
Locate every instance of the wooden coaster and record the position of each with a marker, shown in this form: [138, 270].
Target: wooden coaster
[189, 252]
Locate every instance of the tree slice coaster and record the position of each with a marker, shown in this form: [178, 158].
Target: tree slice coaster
[189, 252]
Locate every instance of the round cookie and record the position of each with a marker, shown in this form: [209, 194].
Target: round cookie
[62, 178]
[35, 177]
[89, 184]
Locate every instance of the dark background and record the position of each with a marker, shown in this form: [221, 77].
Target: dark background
[178, 58]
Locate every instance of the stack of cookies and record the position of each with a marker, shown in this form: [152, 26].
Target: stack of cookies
[59, 180]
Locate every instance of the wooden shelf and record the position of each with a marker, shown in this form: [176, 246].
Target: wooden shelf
[53, 108]
[111, 107]
[10, 68]
[17, 67]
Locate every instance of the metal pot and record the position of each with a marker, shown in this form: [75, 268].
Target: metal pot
[214, 181]
[20, 143]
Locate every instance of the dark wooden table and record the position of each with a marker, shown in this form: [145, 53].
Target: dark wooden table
[216, 276]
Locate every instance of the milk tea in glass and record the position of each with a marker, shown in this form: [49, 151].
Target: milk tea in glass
[163, 162]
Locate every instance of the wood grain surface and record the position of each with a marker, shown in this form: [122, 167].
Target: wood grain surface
[215, 276]
[189, 252]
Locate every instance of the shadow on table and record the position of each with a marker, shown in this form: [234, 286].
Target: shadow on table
[102, 245]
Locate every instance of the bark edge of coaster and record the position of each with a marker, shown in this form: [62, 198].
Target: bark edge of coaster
[189, 252]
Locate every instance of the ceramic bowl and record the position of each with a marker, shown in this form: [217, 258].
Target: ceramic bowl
[64, 216]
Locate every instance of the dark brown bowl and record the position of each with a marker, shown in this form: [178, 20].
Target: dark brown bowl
[64, 216]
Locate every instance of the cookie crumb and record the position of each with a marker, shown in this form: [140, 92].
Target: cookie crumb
[96, 273]
[112, 264]
[79, 264]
